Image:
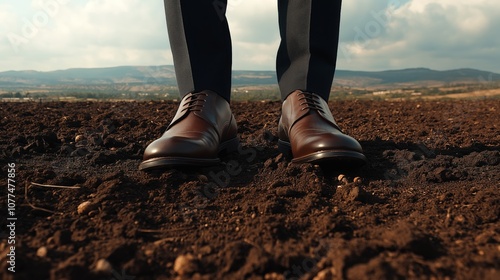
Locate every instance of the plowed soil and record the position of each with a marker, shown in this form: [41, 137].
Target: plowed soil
[426, 207]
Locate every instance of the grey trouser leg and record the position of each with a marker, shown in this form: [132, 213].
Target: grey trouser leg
[307, 55]
[201, 45]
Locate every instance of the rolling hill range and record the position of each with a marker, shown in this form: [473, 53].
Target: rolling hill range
[165, 75]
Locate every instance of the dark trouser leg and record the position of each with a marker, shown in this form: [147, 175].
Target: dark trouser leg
[309, 39]
[201, 45]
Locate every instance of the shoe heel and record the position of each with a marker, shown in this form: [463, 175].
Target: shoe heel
[286, 149]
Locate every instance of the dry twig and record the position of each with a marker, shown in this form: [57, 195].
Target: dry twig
[26, 197]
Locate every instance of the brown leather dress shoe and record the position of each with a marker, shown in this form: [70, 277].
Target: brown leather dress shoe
[202, 128]
[308, 133]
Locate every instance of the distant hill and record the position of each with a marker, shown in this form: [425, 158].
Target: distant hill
[165, 75]
[90, 76]
[416, 75]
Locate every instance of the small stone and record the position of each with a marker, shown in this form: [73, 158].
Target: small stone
[85, 207]
[79, 138]
[103, 266]
[358, 180]
[42, 252]
[342, 178]
[185, 264]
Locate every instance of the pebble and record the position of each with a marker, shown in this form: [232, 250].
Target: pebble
[358, 180]
[103, 265]
[342, 178]
[185, 264]
[79, 138]
[42, 252]
[85, 207]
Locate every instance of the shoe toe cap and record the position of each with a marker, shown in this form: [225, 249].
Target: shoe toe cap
[312, 143]
[178, 147]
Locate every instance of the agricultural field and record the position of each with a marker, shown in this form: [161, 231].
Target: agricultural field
[426, 206]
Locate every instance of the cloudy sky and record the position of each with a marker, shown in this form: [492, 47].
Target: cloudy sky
[375, 34]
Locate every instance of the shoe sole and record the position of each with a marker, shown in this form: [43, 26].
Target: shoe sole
[339, 159]
[162, 163]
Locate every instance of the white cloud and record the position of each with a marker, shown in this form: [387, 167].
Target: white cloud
[441, 34]
[86, 34]
[375, 35]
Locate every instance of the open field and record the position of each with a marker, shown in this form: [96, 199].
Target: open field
[426, 207]
[468, 95]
